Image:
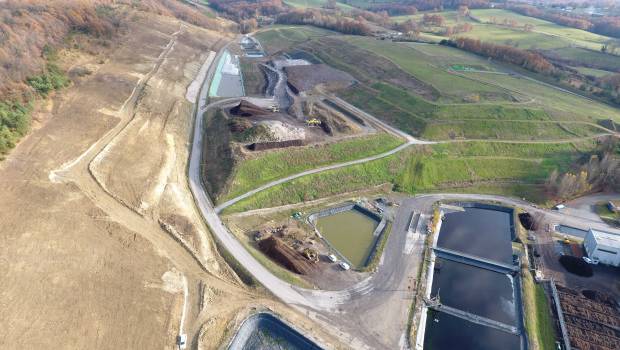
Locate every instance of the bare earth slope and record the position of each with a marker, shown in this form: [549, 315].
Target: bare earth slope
[78, 270]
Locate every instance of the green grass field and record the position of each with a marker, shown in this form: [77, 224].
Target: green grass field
[588, 57]
[597, 73]
[281, 37]
[581, 47]
[491, 28]
[424, 67]
[510, 169]
[573, 36]
[272, 165]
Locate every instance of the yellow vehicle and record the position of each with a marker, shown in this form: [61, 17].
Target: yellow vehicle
[313, 122]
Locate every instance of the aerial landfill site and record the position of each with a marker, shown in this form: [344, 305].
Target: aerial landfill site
[310, 174]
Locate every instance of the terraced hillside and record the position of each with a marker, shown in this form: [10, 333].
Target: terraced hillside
[499, 131]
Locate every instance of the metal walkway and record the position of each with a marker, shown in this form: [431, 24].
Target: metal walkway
[476, 319]
[472, 260]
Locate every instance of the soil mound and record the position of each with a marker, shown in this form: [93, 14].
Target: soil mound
[247, 109]
[284, 255]
[576, 266]
[528, 221]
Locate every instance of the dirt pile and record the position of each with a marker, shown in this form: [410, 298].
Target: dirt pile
[247, 109]
[284, 255]
[576, 266]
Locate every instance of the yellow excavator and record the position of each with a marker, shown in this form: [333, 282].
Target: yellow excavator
[313, 122]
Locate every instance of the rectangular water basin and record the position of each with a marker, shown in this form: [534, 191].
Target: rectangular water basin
[351, 232]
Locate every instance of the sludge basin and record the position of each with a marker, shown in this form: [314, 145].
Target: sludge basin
[264, 331]
[352, 232]
[481, 233]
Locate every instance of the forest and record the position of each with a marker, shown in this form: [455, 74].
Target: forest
[325, 20]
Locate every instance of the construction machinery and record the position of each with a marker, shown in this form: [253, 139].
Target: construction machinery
[274, 108]
[313, 122]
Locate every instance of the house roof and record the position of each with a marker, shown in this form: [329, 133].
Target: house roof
[606, 238]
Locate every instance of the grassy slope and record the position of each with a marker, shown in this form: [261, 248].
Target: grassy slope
[511, 169]
[594, 72]
[423, 67]
[279, 38]
[430, 62]
[269, 166]
[571, 35]
[314, 4]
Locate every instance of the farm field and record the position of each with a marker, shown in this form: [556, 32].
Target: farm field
[268, 166]
[510, 168]
[489, 25]
[576, 36]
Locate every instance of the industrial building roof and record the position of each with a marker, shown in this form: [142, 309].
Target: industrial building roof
[607, 238]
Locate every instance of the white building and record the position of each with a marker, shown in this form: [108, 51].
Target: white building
[603, 246]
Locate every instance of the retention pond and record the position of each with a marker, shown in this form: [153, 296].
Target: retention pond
[352, 233]
[263, 331]
[481, 302]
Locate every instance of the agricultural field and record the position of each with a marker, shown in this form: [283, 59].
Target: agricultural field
[574, 47]
[508, 168]
[574, 36]
[272, 165]
[506, 27]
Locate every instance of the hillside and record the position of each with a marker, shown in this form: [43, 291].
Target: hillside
[32, 32]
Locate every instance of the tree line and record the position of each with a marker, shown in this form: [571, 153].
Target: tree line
[600, 172]
[239, 10]
[325, 20]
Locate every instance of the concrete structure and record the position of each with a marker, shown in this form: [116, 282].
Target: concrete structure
[603, 246]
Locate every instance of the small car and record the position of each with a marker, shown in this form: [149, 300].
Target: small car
[182, 341]
[344, 265]
[590, 261]
[332, 258]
